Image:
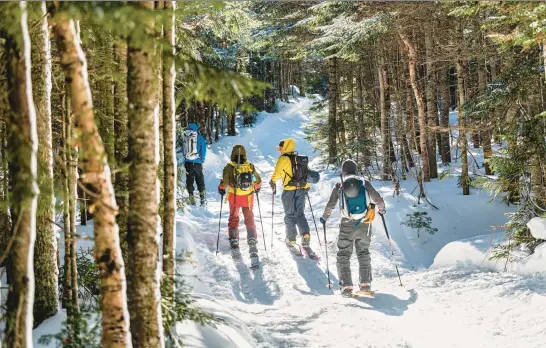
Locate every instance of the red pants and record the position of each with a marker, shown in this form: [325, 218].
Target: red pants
[233, 223]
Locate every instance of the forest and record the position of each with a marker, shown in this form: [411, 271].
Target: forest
[95, 98]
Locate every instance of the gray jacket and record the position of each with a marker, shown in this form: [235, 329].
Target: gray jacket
[336, 196]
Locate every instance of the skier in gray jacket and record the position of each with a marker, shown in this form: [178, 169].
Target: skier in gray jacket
[354, 229]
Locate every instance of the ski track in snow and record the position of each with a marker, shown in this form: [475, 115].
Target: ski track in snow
[286, 303]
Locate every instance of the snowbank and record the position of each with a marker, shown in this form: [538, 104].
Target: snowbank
[476, 252]
[538, 227]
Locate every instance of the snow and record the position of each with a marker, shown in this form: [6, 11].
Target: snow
[452, 295]
[538, 227]
[286, 303]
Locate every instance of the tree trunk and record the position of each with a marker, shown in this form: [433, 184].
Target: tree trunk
[332, 103]
[361, 122]
[484, 126]
[169, 170]
[217, 120]
[96, 172]
[46, 301]
[423, 134]
[384, 107]
[432, 109]
[231, 123]
[444, 116]
[465, 181]
[121, 145]
[143, 233]
[22, 147]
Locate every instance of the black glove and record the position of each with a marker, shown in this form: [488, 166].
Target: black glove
[222, 192]
[273, 186]
[322, 220]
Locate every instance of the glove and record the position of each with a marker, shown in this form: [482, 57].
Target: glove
[308, 188]
[273, 186]
[322, 220]
[221, 191]
[257, 188]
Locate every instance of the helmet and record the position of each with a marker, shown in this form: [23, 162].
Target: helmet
[351, 187]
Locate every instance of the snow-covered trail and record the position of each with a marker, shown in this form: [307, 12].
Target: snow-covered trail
[286, 303]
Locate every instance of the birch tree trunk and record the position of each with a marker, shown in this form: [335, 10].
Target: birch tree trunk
[463, 143]
[22, 147]
[332, 104]
[423, 134]
[96, 172]
[143, 233]
[46, 302]
[169, 138]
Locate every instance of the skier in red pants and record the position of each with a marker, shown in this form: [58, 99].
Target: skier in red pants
[241, 180]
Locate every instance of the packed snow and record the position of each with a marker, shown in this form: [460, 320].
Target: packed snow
[286, 302]
[452, 294]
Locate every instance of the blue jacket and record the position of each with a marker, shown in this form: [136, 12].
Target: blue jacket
[201, 145]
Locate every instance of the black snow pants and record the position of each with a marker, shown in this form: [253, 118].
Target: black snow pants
[194, 173]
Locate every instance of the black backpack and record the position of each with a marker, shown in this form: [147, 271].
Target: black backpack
[300, 169]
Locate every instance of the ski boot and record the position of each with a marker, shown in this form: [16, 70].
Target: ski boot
[347, 291]
[305, 244]
[203, 198]
[235, 252]
[191, 199]
[254, 259]
[293, 247]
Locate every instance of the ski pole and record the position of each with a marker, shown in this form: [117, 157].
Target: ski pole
[272, 213]
[392, 251]
[219, 222]
[313, 214]
[326, 247]
[261, 221]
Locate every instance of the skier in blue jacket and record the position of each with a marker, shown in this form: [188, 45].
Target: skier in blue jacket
[194, 150]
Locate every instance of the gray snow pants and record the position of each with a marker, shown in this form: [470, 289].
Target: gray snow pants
[294, 213]
[349, 235]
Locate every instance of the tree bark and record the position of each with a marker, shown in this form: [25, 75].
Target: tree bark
[22, 147]
[143, 233]
[384, 107]
[432, 109]
[423, 134]
[96, 172]
[332, 103]
[169, 171]
[444, 116]
[46, 301]
[463, 144]
[484, 126]
[121, 145]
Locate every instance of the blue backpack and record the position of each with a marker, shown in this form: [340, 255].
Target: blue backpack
[353, 198]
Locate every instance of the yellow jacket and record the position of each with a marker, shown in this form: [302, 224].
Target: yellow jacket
[283, 168]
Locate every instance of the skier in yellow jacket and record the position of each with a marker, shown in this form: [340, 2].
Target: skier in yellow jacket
[292, 170]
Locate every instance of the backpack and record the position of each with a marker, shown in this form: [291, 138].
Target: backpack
[300, 169]
[190, 145]
[243, 176]
[353, 198]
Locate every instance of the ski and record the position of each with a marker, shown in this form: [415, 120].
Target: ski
[254, 261]
[295, 249]
[236, 253]
[311, 254]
